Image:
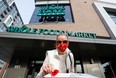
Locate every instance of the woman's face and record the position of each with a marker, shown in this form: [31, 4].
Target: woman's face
[62, 43]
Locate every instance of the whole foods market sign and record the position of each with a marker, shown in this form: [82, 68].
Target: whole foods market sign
[51, 10]
[26, 30]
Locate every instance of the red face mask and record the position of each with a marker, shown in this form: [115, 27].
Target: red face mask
[61, 46]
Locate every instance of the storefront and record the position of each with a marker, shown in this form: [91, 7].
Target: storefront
[25, 53]
[90, 29]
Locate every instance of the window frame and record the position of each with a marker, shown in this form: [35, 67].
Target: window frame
[105, 18]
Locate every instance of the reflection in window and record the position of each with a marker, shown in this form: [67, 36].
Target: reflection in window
[112, 13]
[113, 16]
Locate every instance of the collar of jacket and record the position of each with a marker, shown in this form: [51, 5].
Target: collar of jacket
[66, 51]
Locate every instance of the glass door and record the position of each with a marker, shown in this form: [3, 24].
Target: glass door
[33, 68]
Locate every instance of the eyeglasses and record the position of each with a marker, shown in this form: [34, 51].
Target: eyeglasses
[65, 41]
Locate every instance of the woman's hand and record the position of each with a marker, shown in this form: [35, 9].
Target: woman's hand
[48, 68]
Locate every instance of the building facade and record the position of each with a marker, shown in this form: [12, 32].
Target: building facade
[9, 15]
[90, 25]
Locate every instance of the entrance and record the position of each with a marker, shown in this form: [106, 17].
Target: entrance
[25, 56]
[34, 66]
[109, 66]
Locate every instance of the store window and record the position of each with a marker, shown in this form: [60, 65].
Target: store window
[52, 13]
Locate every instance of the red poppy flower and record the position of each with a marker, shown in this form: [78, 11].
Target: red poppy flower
[55, 72]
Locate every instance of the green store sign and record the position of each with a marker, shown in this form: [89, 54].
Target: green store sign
[24, 29]
[51, 10]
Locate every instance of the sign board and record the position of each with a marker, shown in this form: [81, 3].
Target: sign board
[26, 30]
[51, 10]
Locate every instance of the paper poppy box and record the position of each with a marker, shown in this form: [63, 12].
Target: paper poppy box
[70, 75]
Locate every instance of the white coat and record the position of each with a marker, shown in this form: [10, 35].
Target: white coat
[61, 62]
